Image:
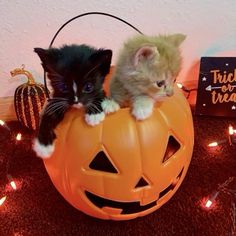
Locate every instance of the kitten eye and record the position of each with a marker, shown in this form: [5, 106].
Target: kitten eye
[174, 80]
[160, 83]
[88, 88]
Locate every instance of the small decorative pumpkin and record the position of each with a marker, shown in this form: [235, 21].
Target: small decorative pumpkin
[29, 99]
[123, 168]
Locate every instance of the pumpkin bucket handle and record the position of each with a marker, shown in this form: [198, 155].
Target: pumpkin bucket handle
[79, 16]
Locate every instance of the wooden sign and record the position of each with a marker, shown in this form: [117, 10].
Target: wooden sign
[216, 94]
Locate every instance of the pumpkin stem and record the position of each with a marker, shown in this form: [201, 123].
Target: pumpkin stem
[22, 71]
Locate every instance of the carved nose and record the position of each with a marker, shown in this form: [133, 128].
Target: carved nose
[141, 183]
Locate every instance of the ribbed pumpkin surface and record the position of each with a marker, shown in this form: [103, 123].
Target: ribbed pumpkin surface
[29, 101]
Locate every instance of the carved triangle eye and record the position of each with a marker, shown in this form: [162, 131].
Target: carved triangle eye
[102, 163]
[172, 147]
[141, 183]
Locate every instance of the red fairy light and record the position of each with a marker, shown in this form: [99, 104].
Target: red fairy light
[13, 185]
[216, 144]
[2, 123]
[12, 182]
[2, 200]
[18, 136]
[179, 85]
[232, 135]
[231, 130]
[209, 202]
[213, 144]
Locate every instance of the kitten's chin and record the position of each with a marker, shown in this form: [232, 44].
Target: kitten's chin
[77, 105]
[159, 98]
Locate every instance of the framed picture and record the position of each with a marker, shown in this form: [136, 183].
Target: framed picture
[216, 95]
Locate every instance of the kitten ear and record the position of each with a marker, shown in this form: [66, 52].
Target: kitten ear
[176, 39]
[103, 59]
[43, 55]
[145, 53]
[48, 58]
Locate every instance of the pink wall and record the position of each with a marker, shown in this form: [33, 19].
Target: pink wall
[209, 26]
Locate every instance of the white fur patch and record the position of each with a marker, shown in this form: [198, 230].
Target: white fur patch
[78, 105]
[142, 108]
[75, 91]
[94, 119]
[109, 106]
[41, 150]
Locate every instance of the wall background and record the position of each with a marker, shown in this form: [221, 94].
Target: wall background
[210, 26]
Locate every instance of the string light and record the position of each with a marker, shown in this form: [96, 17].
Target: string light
[19, 137]
[2, 123]
[231, 138]
[179, 85]
[213, 144]
[210, 202]
[2, 200]
[12, 182]
[216, 144]
[231, 130]
[186, 90]
[232, 135]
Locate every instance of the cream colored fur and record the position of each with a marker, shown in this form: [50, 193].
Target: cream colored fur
[143, 62]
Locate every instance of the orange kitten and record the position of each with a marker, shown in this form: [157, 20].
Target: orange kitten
[146, 71]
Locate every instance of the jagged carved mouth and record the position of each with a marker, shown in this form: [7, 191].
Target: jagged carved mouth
[129, 207]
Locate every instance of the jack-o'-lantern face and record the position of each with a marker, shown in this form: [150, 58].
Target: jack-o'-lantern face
[123, 168]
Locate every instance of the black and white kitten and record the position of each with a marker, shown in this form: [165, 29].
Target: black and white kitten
[76, 74]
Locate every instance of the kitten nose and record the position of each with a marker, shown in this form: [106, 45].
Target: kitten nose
[78, 105]
[169, 93]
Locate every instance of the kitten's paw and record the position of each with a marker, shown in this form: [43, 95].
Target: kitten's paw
[94, 119]
[109, 106]
[142, 113]
[43, 151]
[142, 107]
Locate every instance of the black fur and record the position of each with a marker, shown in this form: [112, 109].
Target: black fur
[80, 64]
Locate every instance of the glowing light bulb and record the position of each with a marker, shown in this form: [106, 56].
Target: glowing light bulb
[232, 135]
[12, 182]
[213, 144]
[2, 123]
[210, 202]
[2, 200]
[18, 136]
[216, 144]
[13, 185]
[179, 85]
[231, 130]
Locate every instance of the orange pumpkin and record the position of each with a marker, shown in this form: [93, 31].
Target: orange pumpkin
[123, 168]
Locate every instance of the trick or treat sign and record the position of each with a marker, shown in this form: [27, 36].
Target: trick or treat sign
[216, 94]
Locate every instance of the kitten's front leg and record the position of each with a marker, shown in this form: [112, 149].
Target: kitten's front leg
[109, 106]
[142, 107]
[94, 113]
[44, 142]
